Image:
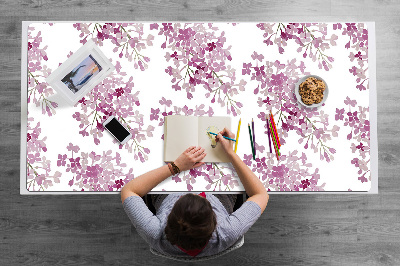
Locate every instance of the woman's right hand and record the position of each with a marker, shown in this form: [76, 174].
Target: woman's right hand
[226, 144]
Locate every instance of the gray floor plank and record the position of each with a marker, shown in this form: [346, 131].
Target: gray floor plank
[294, 230]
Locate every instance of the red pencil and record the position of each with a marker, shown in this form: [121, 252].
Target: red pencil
[274, 142]
[274, 126]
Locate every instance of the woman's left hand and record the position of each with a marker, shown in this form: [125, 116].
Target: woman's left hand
[190, 158]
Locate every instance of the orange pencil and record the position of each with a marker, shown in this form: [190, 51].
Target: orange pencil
[276, 132]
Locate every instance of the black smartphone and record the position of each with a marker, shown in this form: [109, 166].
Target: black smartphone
[117, 130]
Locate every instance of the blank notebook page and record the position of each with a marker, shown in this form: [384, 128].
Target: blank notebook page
[180, 133]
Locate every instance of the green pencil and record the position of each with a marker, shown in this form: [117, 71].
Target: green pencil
[274, 142]
[251, 141]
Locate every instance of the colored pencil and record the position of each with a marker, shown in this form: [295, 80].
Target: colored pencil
[251, 141]
[269, 137]
[254, 136]
[237, 134]
[273, 121]
[277, 153]
[222, 136]
[274, 130]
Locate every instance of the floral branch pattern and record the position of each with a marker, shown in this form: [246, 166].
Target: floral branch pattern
[39, 175]
[275, 89]
[129, 39]
[114, 96]
[158, 115]
[198, 56]
[293, 172]
[94, 172]
[198, 61]
[220, 176]
[38, 89]
[312, 39]
[359, 134]
[359, 42]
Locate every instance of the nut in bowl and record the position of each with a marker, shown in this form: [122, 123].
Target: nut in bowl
[311, 91]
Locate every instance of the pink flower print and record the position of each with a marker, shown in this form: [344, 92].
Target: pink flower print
[118, 184]
[77, 115]
[259, 71]
[267, 101]
[339, 114]
[73, 148]
[353, 70]
[93, 171]
[167, 26]
[305, 183]
[358, 55]
[32, 158]
[360, 146]
[174, 55]
[279, 171]
[118, 92]
[163, 101]
[366, 126]
[257, 56]
[352, 117]
[278, 80]
[350, 102]
[99, 126]
[82, 101]
[337, 26]
[246, 69]
[61, 160]
[361, 87]
[351, 27]
[154, 26]
[195, 172]
[355, 162]
[167, 113]
[247, 159]
[211, 46]
[84, 133]
[75, 162]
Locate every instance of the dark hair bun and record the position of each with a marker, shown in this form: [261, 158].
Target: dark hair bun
[191, 222]
[183, 225]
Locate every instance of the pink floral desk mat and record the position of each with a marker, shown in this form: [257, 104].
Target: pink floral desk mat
[241, 70]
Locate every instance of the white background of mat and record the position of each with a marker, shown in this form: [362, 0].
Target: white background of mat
[333, 183]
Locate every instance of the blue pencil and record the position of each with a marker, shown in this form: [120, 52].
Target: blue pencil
[223, 136]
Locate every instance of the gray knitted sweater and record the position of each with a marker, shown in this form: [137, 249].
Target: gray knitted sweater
[229, 227]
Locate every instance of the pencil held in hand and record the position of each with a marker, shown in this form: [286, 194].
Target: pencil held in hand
[222, 136]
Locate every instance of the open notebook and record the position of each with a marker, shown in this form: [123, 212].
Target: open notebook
[181, 132]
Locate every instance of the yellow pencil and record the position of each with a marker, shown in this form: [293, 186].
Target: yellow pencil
[237, 135]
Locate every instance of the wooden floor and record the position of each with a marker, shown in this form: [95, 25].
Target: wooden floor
[294, 230]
